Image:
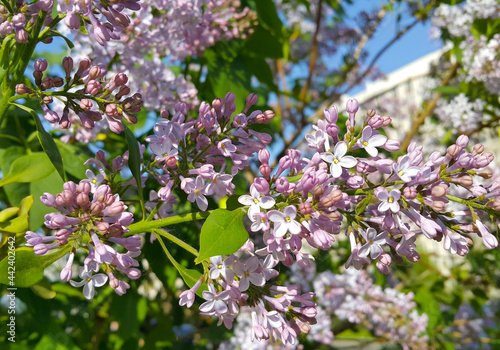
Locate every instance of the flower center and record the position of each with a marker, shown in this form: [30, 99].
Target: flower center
[335, 160]
[94, 181]
[196, 191]
[390, 200]
[219, 266]
[371, 241]
[88, 279]
[401, 172]
[287, 219]
[365, 143]
[255, 200]
[222, 146]
[246, 273]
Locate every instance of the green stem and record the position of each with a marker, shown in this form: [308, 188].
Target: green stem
[148, 226]
[177, 241]
[473, 204]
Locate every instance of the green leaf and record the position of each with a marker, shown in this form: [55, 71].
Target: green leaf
[223, 233]
[52, 184]
[29, 168]
[20, 223]
[73, 159]
[190, 277]
[134, 161]
[43, 289]
[6, 214]
[268, 16]
[262, 43]
[447, 90]
[47, 142]
[360, 208]
[29, 267]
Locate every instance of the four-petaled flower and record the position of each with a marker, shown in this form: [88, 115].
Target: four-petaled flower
[338, 159]
[403, 169]
[284, 222]
[389, 200]
[368, 141]
[89, 282]
[215, 302]
[373, 243]
[256, 201]
[248, 274]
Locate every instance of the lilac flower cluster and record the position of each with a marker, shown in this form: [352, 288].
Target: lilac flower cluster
[173, 29]
[278, 313]
[192, 153]
[106, 19]
[86, 94]
[481, 59]
[350, 297]
[308, 199]
[90, 218]
[390, 314]
[117, 14]
[461, 114]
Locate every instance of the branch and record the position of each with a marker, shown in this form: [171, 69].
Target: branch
[420, 118]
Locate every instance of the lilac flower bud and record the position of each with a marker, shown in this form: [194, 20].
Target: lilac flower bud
[464, 180]
[133, 273]
[48, 200]
[72, 21]
[462, 141]
[49, 115]
[66, 272]
[82, 67]
[318, 191]
[22, 36]
[84, 186]
[22, 89]
[42, 249]
[87, 123]
[113, 281]
[19, 21]
[355, 181]
[85, 104]
[58, 81]
[115, 231]
[46, 100]
[123, 91]
[439, 190]
[376, 122]
[495, 204]
[269, 115]
[59, 220]
[114, 209]
[82, 199]
[67, 64]
[6, 28]
[265, 170]
[130, 118]
[306, 208]
[352, 106]
[250, 101]
[383, 263]
[485, 174]
[477, 149]
[453, 151]
[93, 87]
[410, 192]
[65, 123]
[264, 156]
[282, 185]
[392, 145]
[331, 115]
[261, 185]
[438, 206]
[111, 110]
[41, 64]
[96, 208]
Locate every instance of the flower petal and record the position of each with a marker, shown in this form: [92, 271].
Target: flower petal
[340, 149]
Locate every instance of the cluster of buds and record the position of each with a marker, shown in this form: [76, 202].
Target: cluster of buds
[115, 12]
[88, 95]
[91, 219]
[193, 152]
[279, 313]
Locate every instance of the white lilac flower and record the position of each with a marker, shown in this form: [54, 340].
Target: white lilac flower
[220, 185]
[389, 200]
[338, 159]
[284, 222]
[316, 140]
[403, 169]
[256, 201]
[373, 243]
[94, 180]
[368, 141]
[89, 282]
